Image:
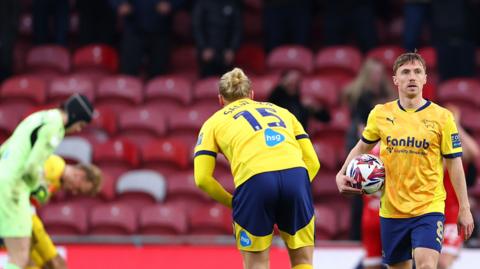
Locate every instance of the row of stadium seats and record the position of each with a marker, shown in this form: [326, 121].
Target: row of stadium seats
[341, 60]
[166, 219]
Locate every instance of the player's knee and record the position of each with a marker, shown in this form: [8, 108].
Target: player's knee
[20, 259]
[425, 265]
[444, 263]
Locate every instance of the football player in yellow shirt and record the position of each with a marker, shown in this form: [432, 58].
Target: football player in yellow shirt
[272, 161]
[76, 179]
[416, 136]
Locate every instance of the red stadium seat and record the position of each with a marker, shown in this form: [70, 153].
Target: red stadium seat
[205, 91]
[224, 177]
[113, 219]
[48, 57]
[469, 119]
[263, 86]
[103, 126]
[325, 223]
[161, 154]
[64, 219]
[324, 185]
[139, 188]
[181, 187]
[186, 123]
[9, 120]
[429, 54]
[164, 219]
[345, 60]
[463, 92]
[327, 154]
[96, 58]
[211, 220]
[168, 92]
[251, 58]
[141, 125]
[62, 87]
[116, 156]
[23, 92]
[321, 90]
[386, 55]
[291, 57]
[119, 92]
[335, 130]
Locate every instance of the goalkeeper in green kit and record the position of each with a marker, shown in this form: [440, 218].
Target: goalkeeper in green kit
[22, 158]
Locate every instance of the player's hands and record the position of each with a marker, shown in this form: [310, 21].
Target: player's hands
[344, 185]
[124, 9]
[465, 223]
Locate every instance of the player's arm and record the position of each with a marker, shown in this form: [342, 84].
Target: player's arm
[365, 144]
[452, 151]
[309, 156]
[457, 177]
[44, 141]
[204, 165]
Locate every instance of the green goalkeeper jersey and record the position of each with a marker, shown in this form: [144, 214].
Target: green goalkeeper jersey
[32, 142]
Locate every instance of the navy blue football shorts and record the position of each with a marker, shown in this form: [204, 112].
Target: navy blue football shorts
[401, 236]
[279, 197]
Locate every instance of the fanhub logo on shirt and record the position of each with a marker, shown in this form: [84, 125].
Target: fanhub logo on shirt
[273, 138]
[410, 141]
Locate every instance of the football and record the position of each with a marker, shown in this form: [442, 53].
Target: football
[368, 172]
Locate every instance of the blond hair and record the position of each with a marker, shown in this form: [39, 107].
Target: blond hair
[234, 85]
[354, 90]
[408, 58]
[94, 175]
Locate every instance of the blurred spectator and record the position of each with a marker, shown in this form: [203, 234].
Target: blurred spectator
[453, 25]
[97, 22]
[371, 86]
[9, 10]
[217, 28]
[286, 22]
[344, 18]
[287, 95]
[47, 13]
[147, 26]
[416, 13]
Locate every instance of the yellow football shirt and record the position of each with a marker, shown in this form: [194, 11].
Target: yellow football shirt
[255, 137]
[52, 170]
[413, 144]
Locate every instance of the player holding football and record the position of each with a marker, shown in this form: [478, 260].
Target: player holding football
[22, 158]
[415, 136]
[273, 163]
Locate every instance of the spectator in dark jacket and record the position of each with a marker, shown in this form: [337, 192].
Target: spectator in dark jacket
[96, 22]
[147, 28]
[287, 95]
[217, 28]
[58, 10]
[8, 32]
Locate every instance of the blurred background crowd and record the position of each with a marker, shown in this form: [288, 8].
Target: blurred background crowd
[151, 67]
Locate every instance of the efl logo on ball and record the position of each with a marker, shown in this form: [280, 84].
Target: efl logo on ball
[368, 172]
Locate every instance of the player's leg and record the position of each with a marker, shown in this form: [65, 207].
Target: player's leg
[295, 217]
[426, 258]
[427, 237]
[396, 242]
[301, 258]
[254, 215]
[43, 250]
[452, 242]
[256, 259]
[446, 260]
[18, 250]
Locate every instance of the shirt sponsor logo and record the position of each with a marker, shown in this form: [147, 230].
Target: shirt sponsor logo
[456, 143]
[244, 239]
[273, 138]
[409, 141]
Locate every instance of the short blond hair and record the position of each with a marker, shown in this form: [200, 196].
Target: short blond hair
[234, 85]
[94, 175]
[408, 58]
